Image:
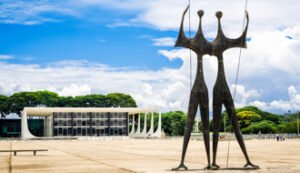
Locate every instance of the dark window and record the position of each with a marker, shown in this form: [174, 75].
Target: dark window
[60, 131]
[69, 131]
[83, 132]
[55, 133]
[65, 132]
[74, 132]
[102, 132]
[78, 131]
[106, 131]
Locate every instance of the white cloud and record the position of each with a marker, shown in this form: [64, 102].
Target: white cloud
[6, 57]
[32, 12]
[293, 103]
[165, 41]
[75, 90]
[243, 96]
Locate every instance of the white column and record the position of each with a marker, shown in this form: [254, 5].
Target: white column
[138, 131]
[157, 133]
[151, 130]
[132, 126]
[144, 132]
[25, 133]
[51, 125]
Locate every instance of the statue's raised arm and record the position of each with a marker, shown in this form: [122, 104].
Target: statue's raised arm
[182, 40]
[241, 41]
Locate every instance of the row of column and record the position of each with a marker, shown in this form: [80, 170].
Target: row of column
[144, 133]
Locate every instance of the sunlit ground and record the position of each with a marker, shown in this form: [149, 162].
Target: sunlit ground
[117, 155]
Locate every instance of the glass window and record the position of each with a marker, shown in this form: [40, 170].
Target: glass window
[55, 132]
[74, 132]
[65, 132]
[83, 132]
[69, 131]
[78, 131]
[60, 131]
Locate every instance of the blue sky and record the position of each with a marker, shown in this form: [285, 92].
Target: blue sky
[84, 39]
[77, 47]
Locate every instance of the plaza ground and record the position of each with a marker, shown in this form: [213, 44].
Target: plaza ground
[140, 155]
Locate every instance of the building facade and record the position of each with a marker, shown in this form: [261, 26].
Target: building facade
[94, 122]
[90, 124]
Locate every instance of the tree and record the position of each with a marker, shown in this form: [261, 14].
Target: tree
[247, 117]
[264, 126]
[120, 100]
[288, 127]
[173, 123]
[22, 99]
[16, 102]
[4, 105]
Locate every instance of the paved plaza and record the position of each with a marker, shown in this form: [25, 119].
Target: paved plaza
[140, 155]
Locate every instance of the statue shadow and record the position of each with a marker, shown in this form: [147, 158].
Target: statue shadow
[221, 169]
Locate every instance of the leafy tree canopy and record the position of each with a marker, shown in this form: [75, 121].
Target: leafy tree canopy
[16, 102]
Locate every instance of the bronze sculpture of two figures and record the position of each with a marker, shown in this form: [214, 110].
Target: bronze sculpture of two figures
[221, 92]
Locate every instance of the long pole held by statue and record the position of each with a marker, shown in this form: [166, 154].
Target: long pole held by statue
[298, 122]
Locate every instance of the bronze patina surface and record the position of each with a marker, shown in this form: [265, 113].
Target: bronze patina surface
[221, 92]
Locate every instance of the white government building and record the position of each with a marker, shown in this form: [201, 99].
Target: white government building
[79, 122]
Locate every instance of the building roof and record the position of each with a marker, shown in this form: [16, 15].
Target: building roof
[47, 111]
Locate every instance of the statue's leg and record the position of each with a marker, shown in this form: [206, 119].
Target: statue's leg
[217, 111]
[204, 108]
[229, 105]
[192, 110]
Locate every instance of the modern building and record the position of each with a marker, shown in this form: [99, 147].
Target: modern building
[78, 122]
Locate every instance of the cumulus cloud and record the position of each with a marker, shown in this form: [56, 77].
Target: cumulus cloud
[6, 57]
[165, 41]
[292, 103]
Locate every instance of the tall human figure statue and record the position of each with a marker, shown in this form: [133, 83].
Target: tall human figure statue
[221, 92]
[199, 93]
